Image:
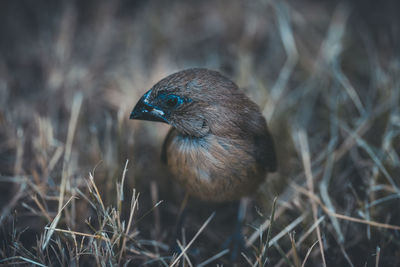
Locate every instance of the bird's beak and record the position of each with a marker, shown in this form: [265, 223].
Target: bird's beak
[144, 110]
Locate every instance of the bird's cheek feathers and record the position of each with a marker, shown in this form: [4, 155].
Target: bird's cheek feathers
[191, 125]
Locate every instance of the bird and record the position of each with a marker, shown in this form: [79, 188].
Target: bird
[219, 147]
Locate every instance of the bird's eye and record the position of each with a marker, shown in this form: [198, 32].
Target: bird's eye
[172, 101]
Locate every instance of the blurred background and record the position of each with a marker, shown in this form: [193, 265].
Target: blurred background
[326, 75]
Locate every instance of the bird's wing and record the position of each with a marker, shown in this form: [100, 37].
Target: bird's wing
[265, 151]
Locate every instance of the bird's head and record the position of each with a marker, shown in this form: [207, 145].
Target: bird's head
[187, 100]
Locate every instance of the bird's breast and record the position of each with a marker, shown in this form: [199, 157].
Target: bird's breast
[213, 168]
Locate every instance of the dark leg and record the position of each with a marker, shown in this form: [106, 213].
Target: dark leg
[181, 215]
[235, 243]
[179, 227]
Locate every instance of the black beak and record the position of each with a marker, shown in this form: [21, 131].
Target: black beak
[146, 111]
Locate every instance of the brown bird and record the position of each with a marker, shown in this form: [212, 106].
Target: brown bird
[219, 147]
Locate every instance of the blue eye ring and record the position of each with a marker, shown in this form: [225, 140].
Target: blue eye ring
[172, 101]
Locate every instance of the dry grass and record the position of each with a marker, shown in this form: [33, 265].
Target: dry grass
[325, 76]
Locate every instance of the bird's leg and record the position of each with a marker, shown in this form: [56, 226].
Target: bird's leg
[236, 241]
[183, 204]
[181, 215]
[180, 224]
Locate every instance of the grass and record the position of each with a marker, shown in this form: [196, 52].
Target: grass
[81, 185]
